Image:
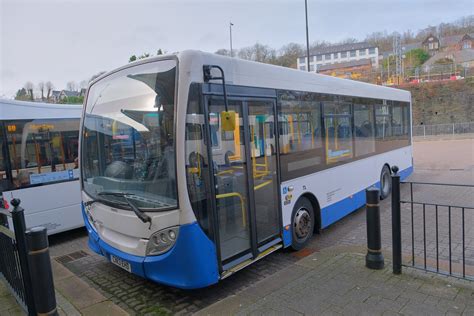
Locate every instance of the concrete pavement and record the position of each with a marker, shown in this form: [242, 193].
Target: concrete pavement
[336, 282]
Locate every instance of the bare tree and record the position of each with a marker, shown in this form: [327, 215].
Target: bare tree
[288, 55]
[41, 88]
[258, 52]
[71, 86]
[49, 89]
[29, 88]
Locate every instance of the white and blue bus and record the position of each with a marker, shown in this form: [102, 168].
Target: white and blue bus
[160, 201]
[39, 162]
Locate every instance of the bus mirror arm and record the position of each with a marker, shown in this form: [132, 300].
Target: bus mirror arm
[208, 77]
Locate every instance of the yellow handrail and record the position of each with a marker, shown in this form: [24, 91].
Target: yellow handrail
[233, 194]
[261, 185]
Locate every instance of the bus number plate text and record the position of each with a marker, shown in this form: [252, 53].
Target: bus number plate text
[121, 263]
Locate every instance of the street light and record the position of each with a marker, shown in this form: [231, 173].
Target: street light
[230, 31]
[307, 35]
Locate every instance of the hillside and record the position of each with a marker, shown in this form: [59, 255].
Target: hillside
[442, 102]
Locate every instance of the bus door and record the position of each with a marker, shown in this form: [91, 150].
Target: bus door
[246, 213]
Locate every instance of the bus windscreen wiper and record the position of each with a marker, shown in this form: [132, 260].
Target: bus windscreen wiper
[140, 214]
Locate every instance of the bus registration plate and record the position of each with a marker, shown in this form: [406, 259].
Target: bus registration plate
[121, 263]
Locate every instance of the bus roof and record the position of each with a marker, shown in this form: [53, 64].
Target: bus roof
[23, 110]
[254, 74]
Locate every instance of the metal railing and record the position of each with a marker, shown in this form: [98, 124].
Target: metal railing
[25, 265]
[437, 239]
[443, 129]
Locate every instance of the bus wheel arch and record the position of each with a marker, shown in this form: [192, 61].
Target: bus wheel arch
[317, 210]
[303, 221]
[385, 181]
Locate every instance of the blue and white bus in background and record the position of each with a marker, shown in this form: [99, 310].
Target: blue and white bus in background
[160, 202]
[39, 162]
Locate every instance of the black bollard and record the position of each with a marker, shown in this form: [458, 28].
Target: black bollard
[396, 222]
[41, 272]
[374, 258]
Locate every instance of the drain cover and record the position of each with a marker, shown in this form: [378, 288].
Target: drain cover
[71, 256]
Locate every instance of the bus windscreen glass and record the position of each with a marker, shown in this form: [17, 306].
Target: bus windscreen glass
[128, 137]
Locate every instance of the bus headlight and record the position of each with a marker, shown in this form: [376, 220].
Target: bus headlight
[162, 241]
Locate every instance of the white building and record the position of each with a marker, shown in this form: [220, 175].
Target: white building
[340, 54]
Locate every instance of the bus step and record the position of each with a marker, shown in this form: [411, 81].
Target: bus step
[242, 265]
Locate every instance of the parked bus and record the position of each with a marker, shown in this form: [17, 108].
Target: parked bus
[159, 199]
[39, 162]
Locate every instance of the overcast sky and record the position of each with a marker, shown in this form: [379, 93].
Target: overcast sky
[69, 40]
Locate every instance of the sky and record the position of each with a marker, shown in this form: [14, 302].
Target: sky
[71, 40]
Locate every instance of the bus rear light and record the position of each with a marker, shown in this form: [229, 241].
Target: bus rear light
[162, 241]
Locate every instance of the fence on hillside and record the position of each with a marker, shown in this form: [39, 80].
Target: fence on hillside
[443, 129]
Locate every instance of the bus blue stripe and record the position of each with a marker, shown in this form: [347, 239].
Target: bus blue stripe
[336, 211]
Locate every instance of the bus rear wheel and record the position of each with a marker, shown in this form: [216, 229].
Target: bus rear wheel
[302, 223]
[385, 182]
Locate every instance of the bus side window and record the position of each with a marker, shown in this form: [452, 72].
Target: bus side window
[46, 147]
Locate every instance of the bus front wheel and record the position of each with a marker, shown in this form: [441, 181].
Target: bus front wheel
[302, 223]
[385, 182]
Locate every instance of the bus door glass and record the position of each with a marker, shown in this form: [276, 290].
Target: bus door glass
[245, 176]
[264, 169]
[229, 168]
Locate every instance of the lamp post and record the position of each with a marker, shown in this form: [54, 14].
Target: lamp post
[307, 35]
[230, 31]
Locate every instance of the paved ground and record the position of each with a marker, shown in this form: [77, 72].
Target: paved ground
[8, 304]
[336, 282]
[138, 296]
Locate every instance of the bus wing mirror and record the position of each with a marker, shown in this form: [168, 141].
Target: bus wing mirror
[228, 121]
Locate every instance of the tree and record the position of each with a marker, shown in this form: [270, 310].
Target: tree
[416, 57]
[71, 86]
[49, 88]
[288, 55]
[258, 52]
[132, 58]
[22, 94]
[159, 52]
[41, 88]
[29, 89]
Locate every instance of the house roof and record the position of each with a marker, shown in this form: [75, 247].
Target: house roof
[348, 64]
[69, 93]
[459, 57]
[339, 48]
[453, 40]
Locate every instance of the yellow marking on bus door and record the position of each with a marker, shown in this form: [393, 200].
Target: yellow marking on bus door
[242, 206]
[237, 155]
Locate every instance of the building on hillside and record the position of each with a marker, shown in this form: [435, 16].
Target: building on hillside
[340, 54]
[353, 69]
[58, 95]
[463, 57]
[431, 44]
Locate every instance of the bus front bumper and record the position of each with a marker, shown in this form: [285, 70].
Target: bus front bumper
[190, 264]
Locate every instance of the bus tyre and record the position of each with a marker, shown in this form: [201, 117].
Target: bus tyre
[385, 182]
[302, 223]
